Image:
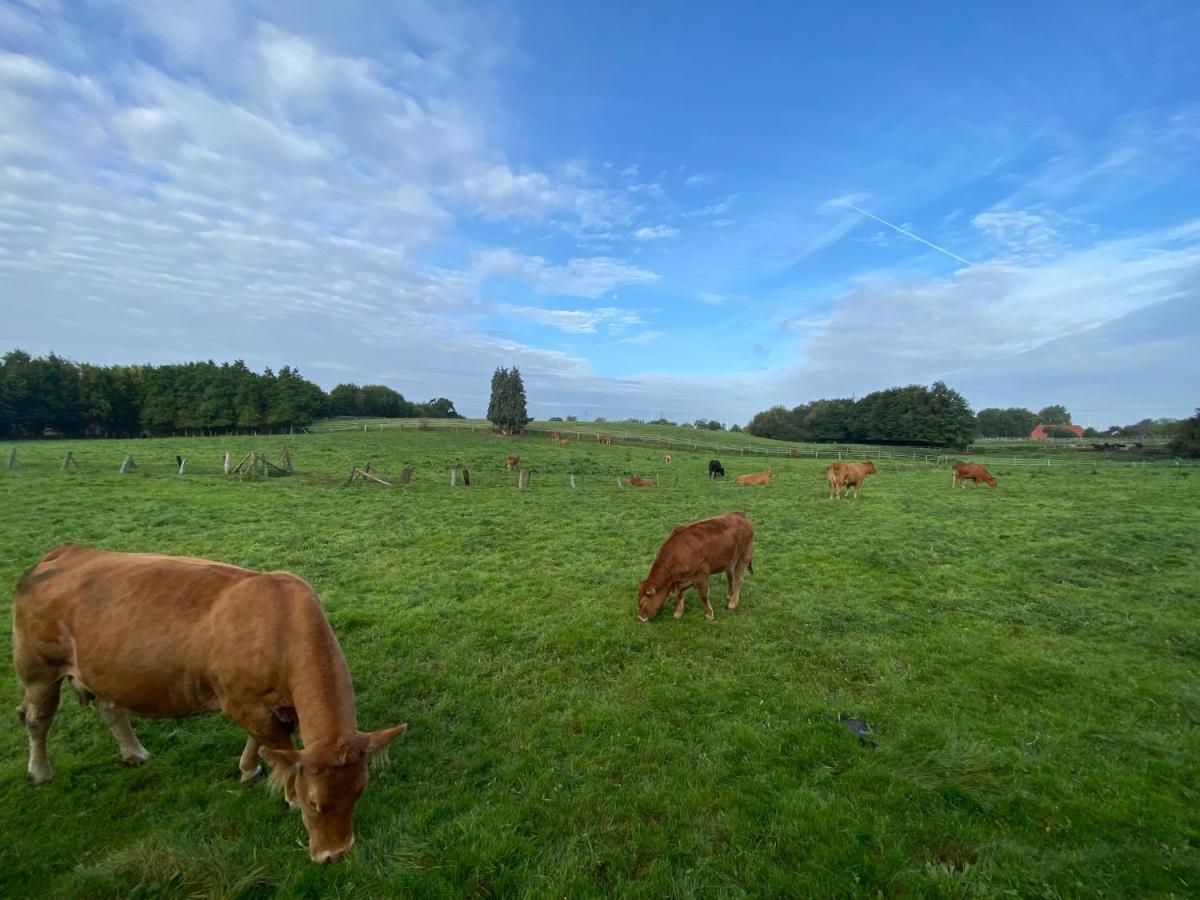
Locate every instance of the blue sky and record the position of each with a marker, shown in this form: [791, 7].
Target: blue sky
[696, 210]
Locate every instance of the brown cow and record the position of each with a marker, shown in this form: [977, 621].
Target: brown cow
[635, 481]
[847, 475]
[964, 472]
[666, 457]
[603, 439]
[512, 462]
[554, 435]
[563, 442]
[763, 477]
[690, 555]
[166, 636]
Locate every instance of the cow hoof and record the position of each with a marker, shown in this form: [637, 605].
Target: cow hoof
[40, 775]
[133, 760]
[679, 615]
[253, 775]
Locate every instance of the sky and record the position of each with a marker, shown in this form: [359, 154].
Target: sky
[690, 210]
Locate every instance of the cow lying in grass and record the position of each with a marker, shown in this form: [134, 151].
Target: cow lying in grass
[964, 472]
[635, 481]
[512, 462]
[166, 636]
[690, 555]
[763, 477]
[847, 475]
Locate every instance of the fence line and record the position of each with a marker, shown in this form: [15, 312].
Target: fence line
[571, 430]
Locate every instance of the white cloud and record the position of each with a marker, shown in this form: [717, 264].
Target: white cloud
[614, 320]
[697, 180]
[642, 339]
[579, 277]
[655, 233]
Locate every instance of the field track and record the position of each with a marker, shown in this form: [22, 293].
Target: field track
[1028, 659]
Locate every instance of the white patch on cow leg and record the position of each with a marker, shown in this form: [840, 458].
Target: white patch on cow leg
[40, 771]
[679, 607]
[248, 764]
[117, 720]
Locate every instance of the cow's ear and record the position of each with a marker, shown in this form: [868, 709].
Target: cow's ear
[283, 759]
[377, 741]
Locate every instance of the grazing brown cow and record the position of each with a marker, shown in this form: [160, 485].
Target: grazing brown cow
[666, 457]
[167, 636]
[847, 475]
[964, 472]
[690, 555]
[563, 442]
[635, 481]
[763, 477]
[603, 439]
[554, 435]
[512, 462]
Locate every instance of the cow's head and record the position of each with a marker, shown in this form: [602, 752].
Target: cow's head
[870, 470]
[650, 600]
[990, 479]
[325, 781]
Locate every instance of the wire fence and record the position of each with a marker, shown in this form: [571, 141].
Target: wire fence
[579, 431]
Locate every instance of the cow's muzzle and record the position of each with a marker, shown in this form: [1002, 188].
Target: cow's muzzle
[331, 856]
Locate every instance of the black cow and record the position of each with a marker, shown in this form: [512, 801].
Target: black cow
[715, 468]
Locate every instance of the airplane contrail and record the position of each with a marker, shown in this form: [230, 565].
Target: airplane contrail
[915, 237]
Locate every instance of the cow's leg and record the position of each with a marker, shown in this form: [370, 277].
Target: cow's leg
[36, 712]
[679, 605]
[117, 720]
[264, 729]
[702, 587]
[736, 575]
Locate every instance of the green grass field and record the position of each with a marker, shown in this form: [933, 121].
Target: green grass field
[1029, 658]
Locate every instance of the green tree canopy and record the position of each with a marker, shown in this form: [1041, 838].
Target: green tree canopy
[506, 409]
[1054, 415]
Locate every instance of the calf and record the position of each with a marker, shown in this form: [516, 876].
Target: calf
[167, 636]
[554, 435]
[666, 457]
[847, 475]
[763, 477]
[635, 481]
[715, 468]
[563, 442]
[690, 555]
[603, 439]
[964, 472]
[512, 462]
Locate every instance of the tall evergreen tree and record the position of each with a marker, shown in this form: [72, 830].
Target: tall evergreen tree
[506, 409]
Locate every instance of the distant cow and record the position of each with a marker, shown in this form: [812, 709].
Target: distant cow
[715, 468]
[847, 475]
[603, 439]
[563, 442]
[964, 472]
[166, 636]
[763, 477]
[554, 435]
[635, 481]
[511, 463]
[690, 555]
[666, 457]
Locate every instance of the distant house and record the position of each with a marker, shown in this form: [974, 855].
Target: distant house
[1039, 433]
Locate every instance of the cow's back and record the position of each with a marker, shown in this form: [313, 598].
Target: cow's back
[159, 635]
[711, 544]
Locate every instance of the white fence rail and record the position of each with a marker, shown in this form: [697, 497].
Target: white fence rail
[573, 431]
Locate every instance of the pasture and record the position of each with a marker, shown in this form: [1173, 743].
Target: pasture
[1028, 657]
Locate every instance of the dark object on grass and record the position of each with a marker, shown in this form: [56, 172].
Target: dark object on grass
[860, 728]
[715, 468]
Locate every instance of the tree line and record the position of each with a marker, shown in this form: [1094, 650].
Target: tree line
[929, 416]
[51, 395]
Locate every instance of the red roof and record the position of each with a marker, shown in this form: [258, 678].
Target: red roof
[1039, 433]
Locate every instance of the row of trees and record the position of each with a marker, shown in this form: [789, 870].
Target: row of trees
[936, 416]
[52, 395]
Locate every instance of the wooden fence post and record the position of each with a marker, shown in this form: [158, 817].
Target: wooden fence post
[182, 463]
[453, 476]
[69, 460]
[12, 459]
[572, 481]
[226, 464]
[522, 479]
[128, 465]
[406, 475]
